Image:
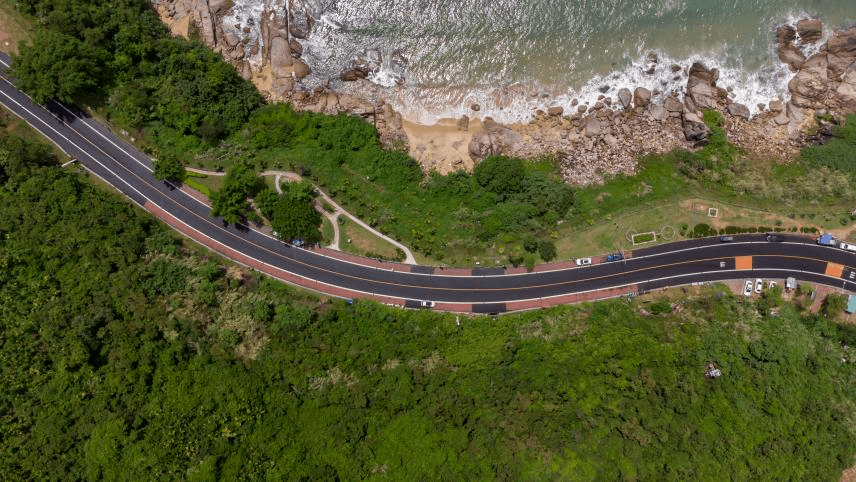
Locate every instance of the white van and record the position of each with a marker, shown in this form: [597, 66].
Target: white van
[848, 247]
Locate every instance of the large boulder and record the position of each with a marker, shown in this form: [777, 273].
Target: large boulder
[494, 140]
[841, 49]
[592, 127]
[658, 112]
[738, 110]
[356, 105]
[353, 74]
[301, 70]
[810, 30]
[219, 7]
[299, 23]
[701, 86]
[280, 56]
[847, 92]
[625, 96]
[672, 104]
[555, 111]
[810, 86]
[695, 130]
[641, 97]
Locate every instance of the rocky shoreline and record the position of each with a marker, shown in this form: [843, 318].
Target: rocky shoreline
[593, 141]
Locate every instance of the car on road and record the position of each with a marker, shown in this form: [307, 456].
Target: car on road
[614, 257]
[759, 285]
[726, 239]
[747, 288]
[775, 238]
[847, 246]
[426, 304]
[583, 261]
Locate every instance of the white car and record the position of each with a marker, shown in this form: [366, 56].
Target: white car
[583, 261]
[759, 285]
[747, 288]
[426, 304]
[846, 246]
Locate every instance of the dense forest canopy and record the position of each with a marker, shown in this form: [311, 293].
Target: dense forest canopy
[127, 354]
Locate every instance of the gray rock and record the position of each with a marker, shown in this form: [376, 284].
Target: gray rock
[695, 130]
[592, 127]
[582, 108]
[776, 106]
[301, 70]
[624, 97]
[641, 97]
[280, 56]
[792, 56]
[701, 86]
[738, 110]
[555, 111]
[809, 87]
[495, 139]
[475, 107]
[810, 30]
[672, 104]
[659, 112]
[610, 140]
[463, 123]
[782, 118]
[296, 48]
[351, 75]
[842, 52]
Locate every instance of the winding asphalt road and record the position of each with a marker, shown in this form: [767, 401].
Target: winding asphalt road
[486, 290]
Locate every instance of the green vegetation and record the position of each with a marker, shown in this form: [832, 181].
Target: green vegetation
[174, 94]
[840, 152]
[292, 214]
[355, 239]
[232, 201]
[169, 167]
[130, 355]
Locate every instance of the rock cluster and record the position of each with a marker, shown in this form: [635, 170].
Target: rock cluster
[593, 140]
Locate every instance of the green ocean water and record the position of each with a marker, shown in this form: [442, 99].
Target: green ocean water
[513, 55]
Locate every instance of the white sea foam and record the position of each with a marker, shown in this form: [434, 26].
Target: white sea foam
[472, 52]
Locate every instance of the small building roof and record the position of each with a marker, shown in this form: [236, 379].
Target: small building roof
[791, 283]
[851, 304]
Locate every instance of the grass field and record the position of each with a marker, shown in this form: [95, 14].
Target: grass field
[14, 28]
[362, 242]
[327, 232]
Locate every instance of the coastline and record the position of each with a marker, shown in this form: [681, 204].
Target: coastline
[593, 139]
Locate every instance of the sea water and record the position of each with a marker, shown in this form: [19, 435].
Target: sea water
[436, 58]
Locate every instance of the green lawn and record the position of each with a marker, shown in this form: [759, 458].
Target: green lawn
[364, 243]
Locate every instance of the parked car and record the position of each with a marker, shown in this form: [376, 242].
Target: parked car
[583, 261]
[614, 257]
[426, 304]
[747, 288]
[775, 238]
[726, 239]
[759, 285]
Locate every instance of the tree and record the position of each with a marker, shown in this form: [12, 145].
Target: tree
[169, 167]
[56, 66]
[230, 202]
[501, 175]
[547, 250]
[292, 215]
[834, 304]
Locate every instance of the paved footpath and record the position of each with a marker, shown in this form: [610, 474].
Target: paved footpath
[333, 217]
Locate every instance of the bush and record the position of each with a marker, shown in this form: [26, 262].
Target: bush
[547, 250]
